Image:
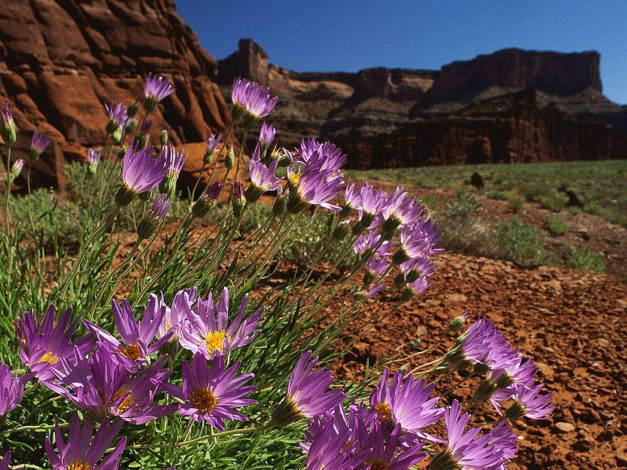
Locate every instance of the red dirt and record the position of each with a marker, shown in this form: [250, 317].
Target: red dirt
[569, 322]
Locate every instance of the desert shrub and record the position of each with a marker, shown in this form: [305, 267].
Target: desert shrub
[575, 210]
[515, 203]
[461, 230]
[584, 259]
[521, 243]
[556, 226]
[498, 195]
[553, 202]
[533, 191]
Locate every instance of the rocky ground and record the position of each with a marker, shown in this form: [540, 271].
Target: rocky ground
[571, 323]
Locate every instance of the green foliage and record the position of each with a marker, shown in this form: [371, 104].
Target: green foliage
[556, 226]
[584, 259]
[515, 203]
[554, 201]
[521, 243]
[498, 195]
[598, 182]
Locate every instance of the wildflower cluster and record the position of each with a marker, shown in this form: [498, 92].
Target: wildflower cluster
[137, 385]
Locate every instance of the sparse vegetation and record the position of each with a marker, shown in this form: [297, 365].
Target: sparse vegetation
[521, 243]
[556, 226]
[583, 258]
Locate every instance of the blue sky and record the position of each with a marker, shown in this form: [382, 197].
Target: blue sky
[348, 35]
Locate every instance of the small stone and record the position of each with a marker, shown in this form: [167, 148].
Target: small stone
[565, 427]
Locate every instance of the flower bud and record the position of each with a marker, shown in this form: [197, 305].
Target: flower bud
[163, 138]
[145, 196]
[368, 277]
[360, 295]
[407, 294]
[399, 280]
[122, 152]
[346, 211]
[16, 169]
[131, 126]
[116, 135]
[279, 206]
[358, 229]
[132, 108]
[340, 232]
[389, 228]
[238, 199]
[207, 157]
[229, 160]
[412, 276]
[112, 126]
[7, 124]
[207, 200]
[456, 323]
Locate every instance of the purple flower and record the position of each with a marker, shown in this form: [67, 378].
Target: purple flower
[310, 186]
[484, 345]
[375, 290]
[262, 177]
[104, 387]
[405, 402]
[251, 98]
[140, 173]
[16, 169]
[117, 116]
[517, 373]
[266, 135]
[502, 437]
[7, 124]
[352, 197]
[400, 209]
[307, 394]
[6, 460]
[135, 346]
[155, 90]
[206, 330]
[11, 389]
[160, 207]
[384, 449]
[38, 144]
[212, 393]
[173, 161]
[464, 450]
[370, 241]
[80, 452]
[417, 241]
[212, 142]
[333, 443]
[207, 200]
[321, 157]
[529, 403]
[94, 156]
[173, 316]
[44, 344]
[372, 201]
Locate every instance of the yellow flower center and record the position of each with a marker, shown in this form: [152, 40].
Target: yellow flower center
[130, 351]
[126, 403]
[294, 178]
[49, 357]
[384, 410]
[80, 464]
[204, 400]
[376, 464]
[215, 340]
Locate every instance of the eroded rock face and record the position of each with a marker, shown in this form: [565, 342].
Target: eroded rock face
[512, 105]
[60, 60]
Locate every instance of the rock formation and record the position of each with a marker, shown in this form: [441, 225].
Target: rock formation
[60, 60]
[510, 106]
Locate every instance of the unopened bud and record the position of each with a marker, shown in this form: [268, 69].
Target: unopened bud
[117, 136]
[229, 160]
[368, 277]
[485, 390]
[131, 126]
[346, 211]
[16, 169]
[112, 126]
[456, 323]
[132, 108]
[412, 276]
[207, 157]
[122, 152]
[163, 138]
[340, 232]
[360, 295]
[389, 228]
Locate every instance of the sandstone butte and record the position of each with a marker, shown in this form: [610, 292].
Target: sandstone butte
[60, 60]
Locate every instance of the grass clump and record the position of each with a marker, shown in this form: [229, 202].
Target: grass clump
[584, 259]
[556, 226]
[521, 243]
[554, 201]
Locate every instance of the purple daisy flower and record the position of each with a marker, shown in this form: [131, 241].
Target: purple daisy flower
[135, 348]
[38, 144]
[155, 90]
[174, 162]
[384, 449]
[44, 344]
[369, 241]
[206, 330]
[16, 169]
[417, 241]
[375, 290]
[212, 142]
[518, 373]
[313, 187]
[307, 394]
[212, 393]
[6, 460]
[405, 402]
[529, 403]
[262, 178]
[352, 198]
[117, 116]
[464, 449]
[11, 389]
[140, 173]
[502, 437]
[174, 316]
[266, 136]
[372, 202]
[7, 124]
[399, 210]
[207, 200]
[252, 99]
[80, 452]
[104, 388]
[321, 157]
[93, 157]
[155, 215]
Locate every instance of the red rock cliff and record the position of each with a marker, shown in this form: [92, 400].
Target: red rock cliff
[60, 60]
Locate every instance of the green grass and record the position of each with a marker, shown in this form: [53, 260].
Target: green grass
[556, 226]
[583, 258]
[602, 185]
